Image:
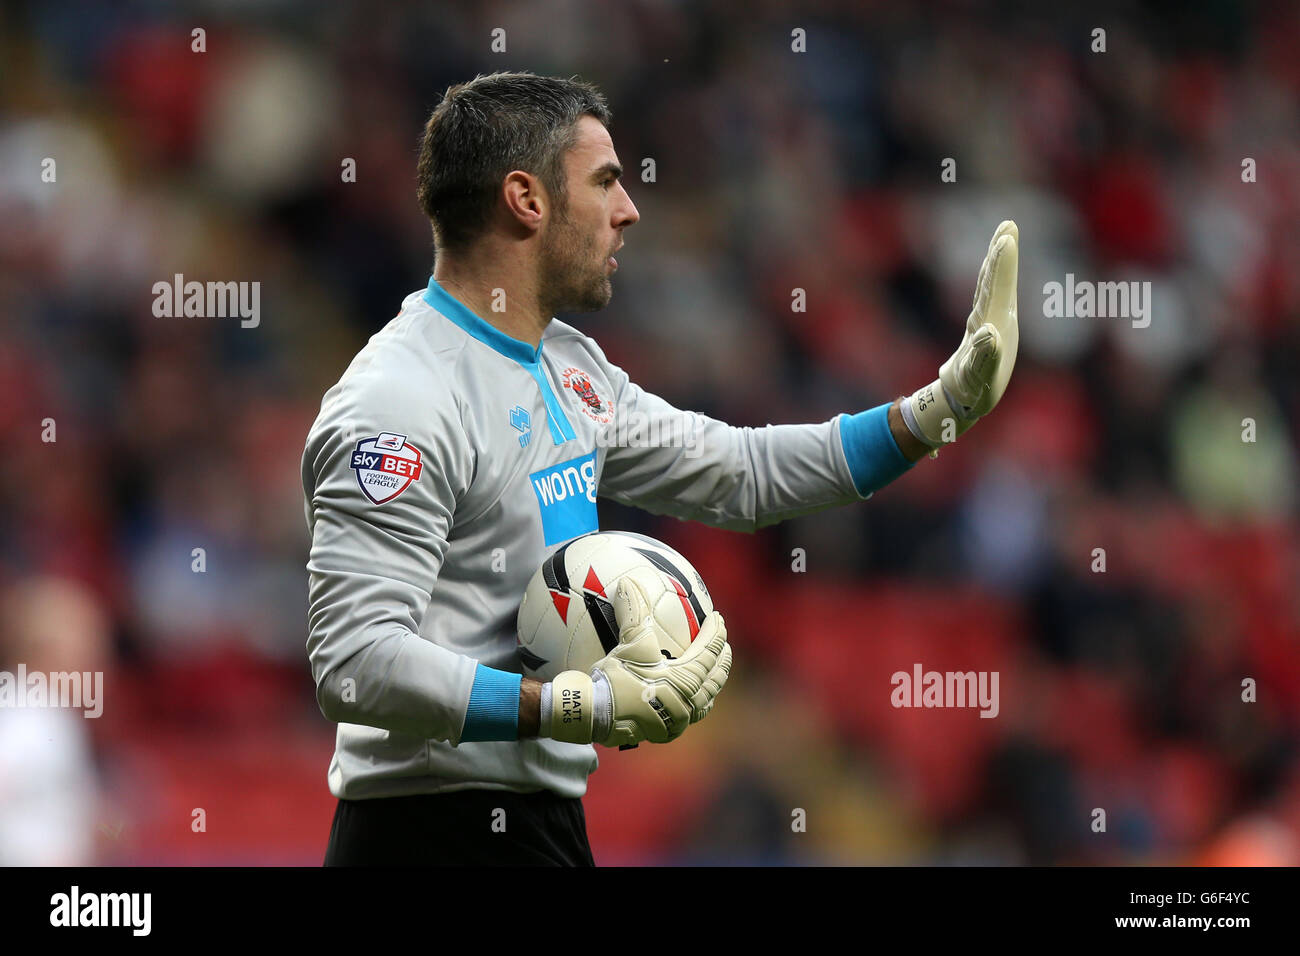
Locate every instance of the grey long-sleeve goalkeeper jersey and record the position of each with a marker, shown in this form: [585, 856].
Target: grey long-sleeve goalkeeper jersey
[446, 463]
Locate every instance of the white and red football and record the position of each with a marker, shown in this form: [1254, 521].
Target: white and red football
[566, 620]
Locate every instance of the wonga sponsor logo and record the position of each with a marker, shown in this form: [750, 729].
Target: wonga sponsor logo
[566, 495]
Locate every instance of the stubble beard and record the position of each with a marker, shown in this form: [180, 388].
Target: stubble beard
[570, 279]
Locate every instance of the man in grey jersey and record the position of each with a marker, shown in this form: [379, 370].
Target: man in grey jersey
[471, 437]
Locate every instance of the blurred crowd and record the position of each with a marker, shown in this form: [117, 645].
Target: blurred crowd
[152, 523]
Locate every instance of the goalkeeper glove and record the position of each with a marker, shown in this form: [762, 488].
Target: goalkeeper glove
[636, 692]
[972, 381]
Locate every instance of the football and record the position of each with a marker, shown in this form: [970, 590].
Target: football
[566, 619]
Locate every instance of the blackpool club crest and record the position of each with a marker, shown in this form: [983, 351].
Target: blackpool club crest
[385, 466]
[579, 382]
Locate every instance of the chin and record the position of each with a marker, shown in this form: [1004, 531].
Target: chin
[596, 297]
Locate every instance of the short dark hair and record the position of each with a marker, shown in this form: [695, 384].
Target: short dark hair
[482, 130]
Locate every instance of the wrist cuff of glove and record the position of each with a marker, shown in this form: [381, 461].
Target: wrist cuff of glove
[602, 706]
[572, 708]
[927, 412]
[544, 711]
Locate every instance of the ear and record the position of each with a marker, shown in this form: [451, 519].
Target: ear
[526, 198]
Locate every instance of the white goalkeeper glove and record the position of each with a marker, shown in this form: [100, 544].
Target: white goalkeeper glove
[636, 692]
[972, 381]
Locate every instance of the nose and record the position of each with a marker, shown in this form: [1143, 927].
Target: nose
[626, 213]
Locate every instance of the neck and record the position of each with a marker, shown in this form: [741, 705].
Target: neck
[497, 289]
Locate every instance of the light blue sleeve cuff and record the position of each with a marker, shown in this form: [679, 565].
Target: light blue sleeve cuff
[493, 712]
[870, 449]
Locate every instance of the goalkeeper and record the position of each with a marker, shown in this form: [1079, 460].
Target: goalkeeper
[472, 436]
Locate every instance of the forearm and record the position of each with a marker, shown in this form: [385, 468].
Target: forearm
[380, 674]
[912, 448]
[740, 478]
[530, 707]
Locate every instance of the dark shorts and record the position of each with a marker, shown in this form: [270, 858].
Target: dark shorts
[461, 828]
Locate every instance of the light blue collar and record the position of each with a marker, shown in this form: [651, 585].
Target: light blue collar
[489, 335]
[523, 353]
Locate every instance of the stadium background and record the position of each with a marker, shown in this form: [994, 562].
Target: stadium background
[774, 170]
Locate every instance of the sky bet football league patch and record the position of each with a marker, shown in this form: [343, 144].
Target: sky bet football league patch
[385, 466]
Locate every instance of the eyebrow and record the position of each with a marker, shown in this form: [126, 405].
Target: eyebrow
[610, 167]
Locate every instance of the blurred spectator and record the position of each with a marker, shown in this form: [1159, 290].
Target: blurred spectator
[48, 778]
